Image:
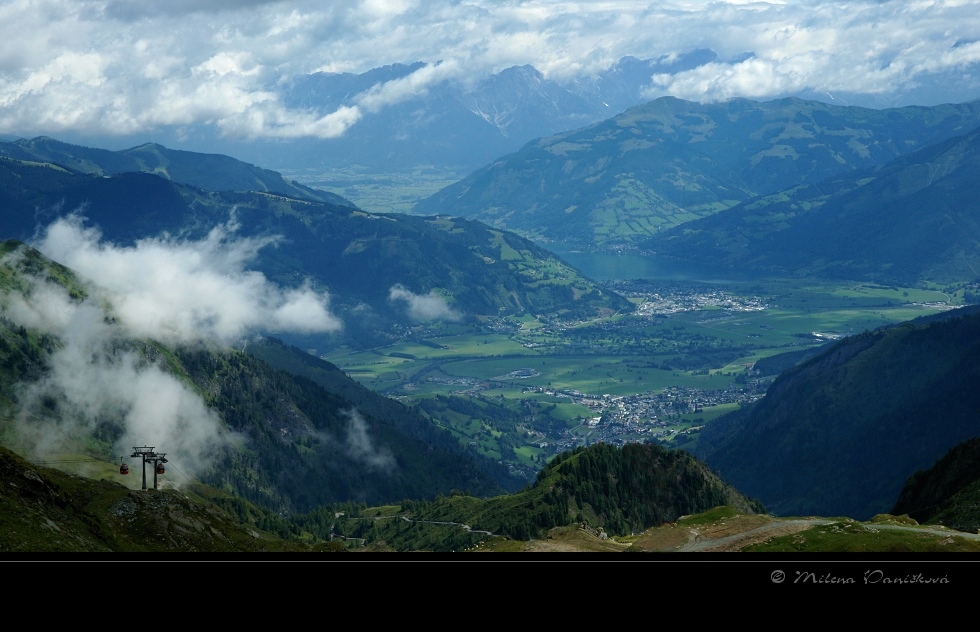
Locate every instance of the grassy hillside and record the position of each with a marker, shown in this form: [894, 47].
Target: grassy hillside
[45, 510]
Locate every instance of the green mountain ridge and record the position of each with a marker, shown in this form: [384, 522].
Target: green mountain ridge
[616, 491]
[668, 162]
[205, 171]
[357, 256]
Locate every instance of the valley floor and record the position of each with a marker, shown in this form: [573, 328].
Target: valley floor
[690, 353]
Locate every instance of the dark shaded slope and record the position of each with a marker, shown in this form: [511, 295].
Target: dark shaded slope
[308, 446]
[406, 420]
[948, 492]
[840, 434]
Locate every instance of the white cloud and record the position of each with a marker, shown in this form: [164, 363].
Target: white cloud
[429, 306]
[180, 291]
[856, 47]
[124, 67]
[391, 92]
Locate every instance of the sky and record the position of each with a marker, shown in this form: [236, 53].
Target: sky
[125, 67]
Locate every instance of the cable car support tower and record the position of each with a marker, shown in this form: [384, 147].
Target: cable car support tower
[149, 456]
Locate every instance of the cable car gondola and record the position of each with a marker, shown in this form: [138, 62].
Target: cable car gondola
[160, 468]
[124, 469]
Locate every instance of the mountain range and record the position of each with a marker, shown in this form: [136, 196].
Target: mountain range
[360, 258]
[667, 163]
[413, 119]
[463, 125]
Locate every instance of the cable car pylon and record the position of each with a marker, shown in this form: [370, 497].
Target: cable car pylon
[148, 455]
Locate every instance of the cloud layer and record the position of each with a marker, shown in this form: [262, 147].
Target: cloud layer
[128, 67]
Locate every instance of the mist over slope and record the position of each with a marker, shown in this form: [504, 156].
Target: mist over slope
[85, 377]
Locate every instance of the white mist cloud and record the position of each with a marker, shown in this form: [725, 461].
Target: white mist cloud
[429, 306]
[361, 447]
[181, 291]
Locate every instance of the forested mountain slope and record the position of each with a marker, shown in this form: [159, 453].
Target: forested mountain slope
[946, 493]
[839, 434]
[603, 488]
